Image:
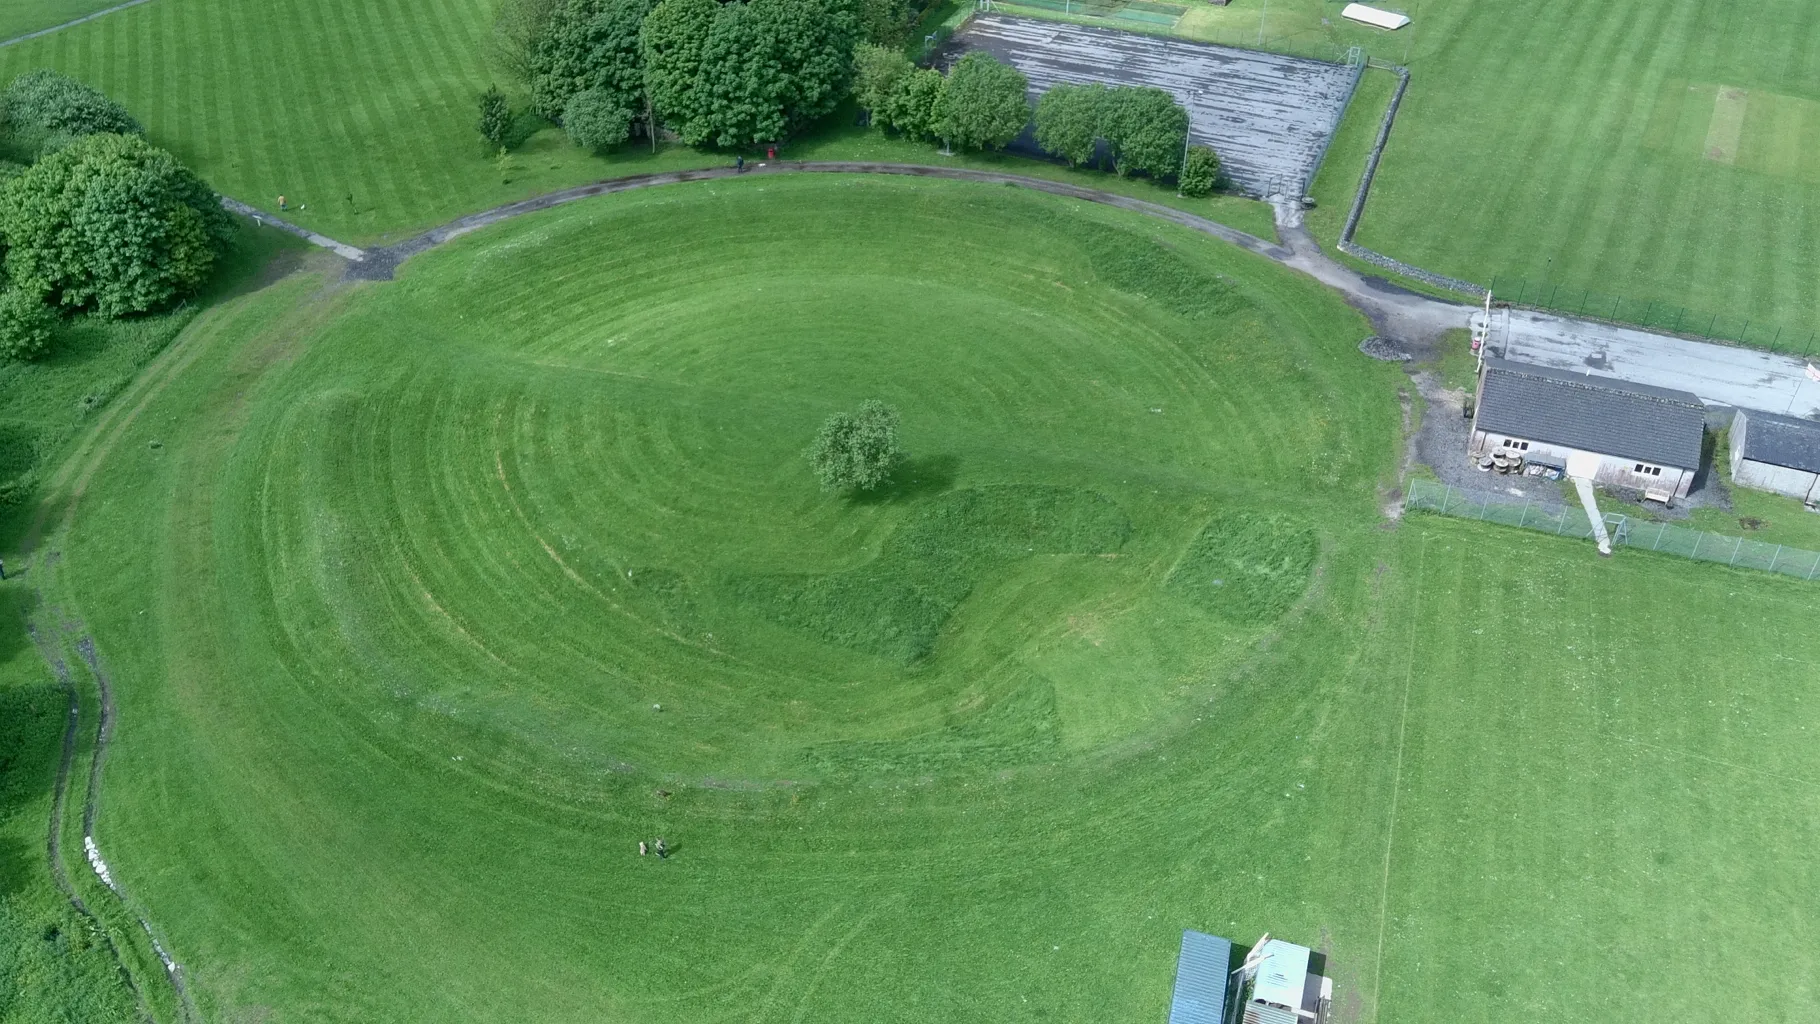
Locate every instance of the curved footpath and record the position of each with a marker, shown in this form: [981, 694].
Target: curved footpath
[1721, 374]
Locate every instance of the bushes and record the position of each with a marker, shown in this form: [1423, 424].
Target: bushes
[1146, 129]
[111, 223]
[1068, 121]
[1200, 173]
[878, 73]
[595, 119]
[26, 326]
[983, 104]
[46, 110]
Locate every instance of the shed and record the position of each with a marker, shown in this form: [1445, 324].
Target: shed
[1779, 454]
[1202, 974]
[1612, 432]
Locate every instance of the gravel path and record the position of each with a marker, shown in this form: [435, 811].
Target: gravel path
[1720, 374]
[58, 28]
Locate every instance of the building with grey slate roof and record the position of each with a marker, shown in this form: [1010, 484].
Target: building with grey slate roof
[1612, 432]
[1779, 454]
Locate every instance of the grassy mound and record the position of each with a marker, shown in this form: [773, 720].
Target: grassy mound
[896, 605]
[1246, 567]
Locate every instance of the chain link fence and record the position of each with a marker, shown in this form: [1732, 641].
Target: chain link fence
[1657, 316]
[1626, 531]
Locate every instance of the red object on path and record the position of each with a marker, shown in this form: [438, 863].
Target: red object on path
[770, 152]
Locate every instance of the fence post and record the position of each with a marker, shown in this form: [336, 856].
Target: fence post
[1551, 296]
[1772, 341]
[1561, 527]
[1774, 557]
[1661, 528]
[1810, 343]
[1484, 507]
[1745, 331]
[1698, 537]
[1583, 299]
[1815, 567]
[1710, 324]
[1525, 515]
[1735, 548]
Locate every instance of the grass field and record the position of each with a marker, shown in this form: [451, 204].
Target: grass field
[363, 117]
[389, 609]
[1661, 151]
[19, 17]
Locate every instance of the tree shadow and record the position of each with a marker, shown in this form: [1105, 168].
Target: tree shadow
[919, 477]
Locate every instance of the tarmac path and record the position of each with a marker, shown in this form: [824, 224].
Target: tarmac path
[1722, 375]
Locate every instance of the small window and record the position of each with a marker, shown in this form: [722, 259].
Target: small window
[1516, 445]
[1648, 470]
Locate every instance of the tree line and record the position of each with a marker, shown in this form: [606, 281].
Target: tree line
[750, 72]
[92, 217]
[727, 75]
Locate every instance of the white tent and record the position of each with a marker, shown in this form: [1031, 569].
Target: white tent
[1374, 16]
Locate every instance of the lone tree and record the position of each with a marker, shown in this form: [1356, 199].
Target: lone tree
[495, 117]
[857, 450]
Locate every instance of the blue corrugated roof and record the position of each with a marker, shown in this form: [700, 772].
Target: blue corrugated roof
[1200, 980]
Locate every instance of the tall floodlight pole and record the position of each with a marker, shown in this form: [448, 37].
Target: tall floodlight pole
[1265, 13]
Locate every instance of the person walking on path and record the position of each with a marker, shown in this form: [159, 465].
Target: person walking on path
[739, 164]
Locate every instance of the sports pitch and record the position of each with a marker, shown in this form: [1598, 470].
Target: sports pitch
[393, 604]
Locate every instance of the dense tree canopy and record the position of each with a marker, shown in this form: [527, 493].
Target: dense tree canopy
[1147, 130]
[740, 73]
[111, 223]
[983, 105]
[878, 72]
[46, 109]
[915, 107]
[1068, 121]
[671, 43]
[587, 44]
[595, 119]
[858, 450]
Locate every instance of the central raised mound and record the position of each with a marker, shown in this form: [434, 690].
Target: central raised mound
[394, 602]
[551, 481]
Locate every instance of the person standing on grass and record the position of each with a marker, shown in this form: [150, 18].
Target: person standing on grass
[663, 852]
[282, 205]
[641, 847]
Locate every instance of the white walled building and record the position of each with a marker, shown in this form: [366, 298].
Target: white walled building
[1779, 454]
[1612, 432]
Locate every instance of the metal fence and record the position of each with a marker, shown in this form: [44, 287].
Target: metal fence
[1654, 315]
[1626, 531]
